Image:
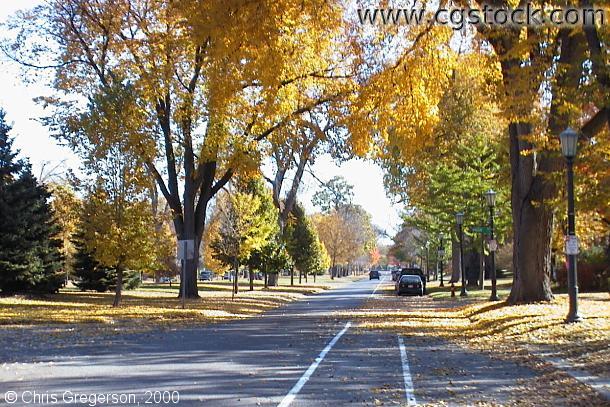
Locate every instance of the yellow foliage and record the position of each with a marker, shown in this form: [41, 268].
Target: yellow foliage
[396, 110]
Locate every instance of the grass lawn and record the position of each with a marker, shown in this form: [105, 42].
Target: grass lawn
[444, 293]
[158, 303]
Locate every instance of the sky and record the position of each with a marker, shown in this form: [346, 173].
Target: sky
[35, 143]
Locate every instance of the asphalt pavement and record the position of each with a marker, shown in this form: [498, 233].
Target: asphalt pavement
[297, 355]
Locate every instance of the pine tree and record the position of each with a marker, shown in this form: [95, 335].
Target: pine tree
[93, 276]
[30, 260]
[304, 244]
[90, 275]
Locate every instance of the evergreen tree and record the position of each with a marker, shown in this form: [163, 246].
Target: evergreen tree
[30, 260]
[91, 275]
[271, 259]
[304, 245]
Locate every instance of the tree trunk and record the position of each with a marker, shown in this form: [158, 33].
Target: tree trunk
[186, 230]
[531, 192]
[532, 223]
[118, 291]
[251, 280]
[292, 276]
[236, 279]
[266, 284]
[190, 279]
[531, 188]
[455, 260]
[273, 277]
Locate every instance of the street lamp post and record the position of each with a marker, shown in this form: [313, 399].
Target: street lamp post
[490, 196]
[441, 254]
[459, 219]
[569, 142]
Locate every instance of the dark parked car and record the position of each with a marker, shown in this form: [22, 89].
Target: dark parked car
[206, 275]
[414, 271]
[410, 284]
[374, 274]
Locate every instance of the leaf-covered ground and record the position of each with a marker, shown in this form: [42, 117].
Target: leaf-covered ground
[154, 304]
[509, 333]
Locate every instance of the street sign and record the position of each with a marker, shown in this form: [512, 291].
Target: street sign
[571, 245]
[493, 245]
[441, 253]
[486, 230]
[186, 249]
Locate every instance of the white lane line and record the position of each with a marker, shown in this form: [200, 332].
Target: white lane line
[406, 373]
[312, 368]
[376, 287]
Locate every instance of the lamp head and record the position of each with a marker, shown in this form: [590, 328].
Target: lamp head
[459, 218]
[569, 143]
[490, 197]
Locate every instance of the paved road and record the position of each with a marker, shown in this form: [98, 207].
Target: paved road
[297, 355]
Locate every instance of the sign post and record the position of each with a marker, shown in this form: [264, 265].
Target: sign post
[186, 251]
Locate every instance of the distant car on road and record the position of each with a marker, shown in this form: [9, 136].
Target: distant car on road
[395, 274]
[414, 271]
[167, 280]
[374, 274]
[410, 284]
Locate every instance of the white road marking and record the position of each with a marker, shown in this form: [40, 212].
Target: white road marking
[376, 287]
[312, 368]
[406, 373]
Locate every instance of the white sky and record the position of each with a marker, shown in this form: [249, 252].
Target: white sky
[34, 141]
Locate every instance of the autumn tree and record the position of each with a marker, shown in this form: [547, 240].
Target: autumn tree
[210, 95]
[334, 235]
[347, 234]
[66, 208]
[552, 77]
[266, 215]
[246, 224]
[406, 243]
[570, 64]
[119, 228]
[468, 158]
[375, 256]
[308, 253]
